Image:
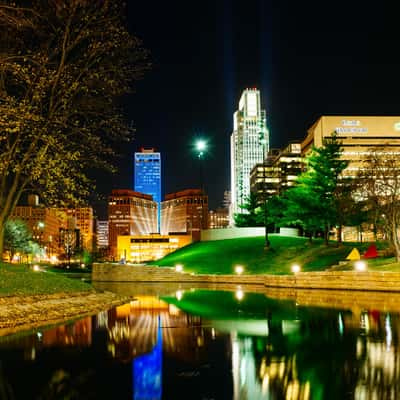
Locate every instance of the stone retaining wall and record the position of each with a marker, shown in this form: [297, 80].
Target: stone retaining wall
[345, 280]
[144, 273]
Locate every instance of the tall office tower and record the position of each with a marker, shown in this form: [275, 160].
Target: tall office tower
[249, 145]
[148, 176]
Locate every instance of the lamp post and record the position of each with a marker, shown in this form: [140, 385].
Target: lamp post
[201, 147]
[40, 226]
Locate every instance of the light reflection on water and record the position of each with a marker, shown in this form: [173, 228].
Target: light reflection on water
[223, 346]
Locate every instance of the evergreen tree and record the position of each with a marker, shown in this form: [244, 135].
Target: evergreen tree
[315, 201]
[248, 218]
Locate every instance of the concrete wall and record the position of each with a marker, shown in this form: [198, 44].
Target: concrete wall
[231, 233]
[288, 231]
[346, 280]
[146, 273]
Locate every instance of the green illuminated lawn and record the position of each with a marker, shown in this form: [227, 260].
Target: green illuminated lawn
[21, 280]
[220, 257]
[212, 304]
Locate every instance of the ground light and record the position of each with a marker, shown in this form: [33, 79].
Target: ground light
[179, 268]
[296, 268]
[36, 268]
[239, 293]
[239, 269]
[360, 265]
[179, 295]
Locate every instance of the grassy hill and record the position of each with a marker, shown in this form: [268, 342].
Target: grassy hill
[220, 257]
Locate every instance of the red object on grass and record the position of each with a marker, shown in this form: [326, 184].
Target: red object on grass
[371, 252]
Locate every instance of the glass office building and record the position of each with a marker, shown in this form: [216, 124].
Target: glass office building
[249, 146]
[147, 178]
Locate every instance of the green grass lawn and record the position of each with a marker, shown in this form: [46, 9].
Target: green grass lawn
[225, 305]
[22, 280]
[220, 257]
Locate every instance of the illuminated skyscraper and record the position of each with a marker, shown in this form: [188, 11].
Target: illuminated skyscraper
[129, 213]
[249, 145]
[148, 175]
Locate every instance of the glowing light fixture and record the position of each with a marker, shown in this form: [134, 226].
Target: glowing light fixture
[201, 146]
[36, 268]
[239, 294]
[239, 269]
[179, 295]
[360, 265]
[179, 268]
[296, 268]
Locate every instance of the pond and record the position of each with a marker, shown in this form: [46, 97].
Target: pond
[195, 343]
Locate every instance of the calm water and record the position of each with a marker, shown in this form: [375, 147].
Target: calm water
[198, 344]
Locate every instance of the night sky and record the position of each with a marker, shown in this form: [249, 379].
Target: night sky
[307, 58]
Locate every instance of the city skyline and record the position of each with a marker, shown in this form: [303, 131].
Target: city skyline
[306, 63]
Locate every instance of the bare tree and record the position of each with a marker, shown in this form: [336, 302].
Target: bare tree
[380, 187]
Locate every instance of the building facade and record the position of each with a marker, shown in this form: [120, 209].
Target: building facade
[185, 212]
[358, 134]
[249, 145]
[82, 219]
[138, 249]
[102, 234]
[219, 218]
[278, 172]
[44, 223]
[148, 175]
[130, 213]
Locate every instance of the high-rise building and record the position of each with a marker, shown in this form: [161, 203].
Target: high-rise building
[148, 175]
[130, 213]
[102, 234]
[249, 145]
[278, 172]
[185, 212]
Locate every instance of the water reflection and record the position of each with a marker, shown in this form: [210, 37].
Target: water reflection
[208, 345]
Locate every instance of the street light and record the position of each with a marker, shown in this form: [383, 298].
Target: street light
[40, 226]
[201, 147]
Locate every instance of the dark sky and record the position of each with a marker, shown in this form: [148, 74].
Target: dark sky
[307, 58]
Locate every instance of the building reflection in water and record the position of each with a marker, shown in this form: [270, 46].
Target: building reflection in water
[147, 372]
[332, 355]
